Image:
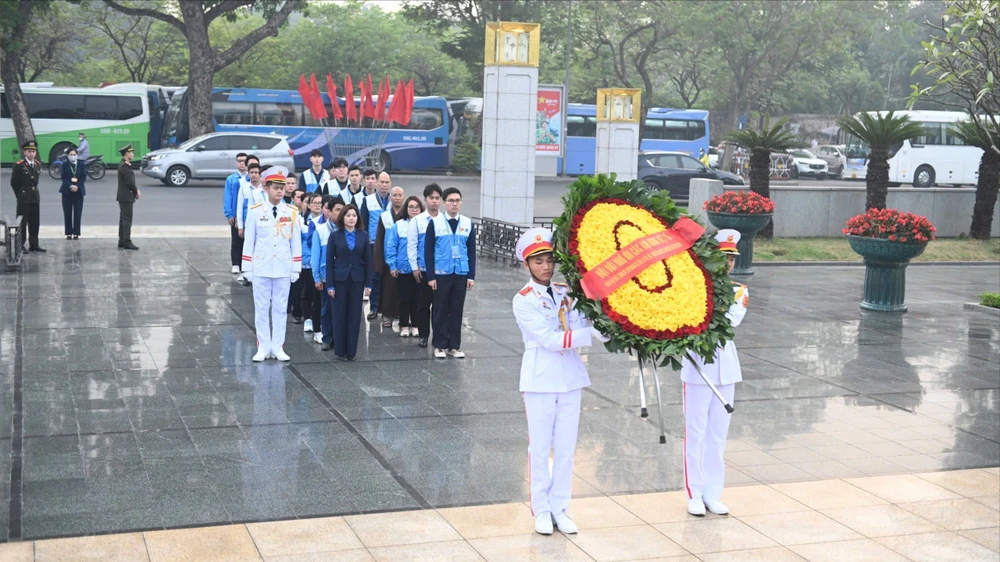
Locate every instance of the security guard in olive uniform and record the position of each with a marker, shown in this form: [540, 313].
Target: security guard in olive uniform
[24, 181]
[128, 193]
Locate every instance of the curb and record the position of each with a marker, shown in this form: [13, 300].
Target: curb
[860, 263]
[976, 307]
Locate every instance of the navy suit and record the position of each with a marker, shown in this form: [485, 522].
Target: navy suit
[72, 202]
[348, 272]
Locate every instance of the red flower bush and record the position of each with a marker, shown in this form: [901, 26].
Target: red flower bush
[740, 203]
[893, 225]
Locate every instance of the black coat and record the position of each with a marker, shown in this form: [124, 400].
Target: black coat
[24, 182]
[127, 190]
[345, 264]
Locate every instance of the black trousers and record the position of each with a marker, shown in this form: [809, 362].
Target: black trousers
[235, 246]
[124, 223]
[32, 217]
[347, 317]
[449, 304]
[408, 296]
[311, 299]
[423, 314]
[72, 211]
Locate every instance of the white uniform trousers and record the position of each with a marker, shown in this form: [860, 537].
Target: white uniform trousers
[706, 425]
[553, 421]
[270, 311]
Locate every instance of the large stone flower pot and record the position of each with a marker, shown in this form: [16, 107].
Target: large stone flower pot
[885, 271]
[747, 226]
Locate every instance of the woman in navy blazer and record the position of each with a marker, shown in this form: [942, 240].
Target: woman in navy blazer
[348, 277]
[74, 175]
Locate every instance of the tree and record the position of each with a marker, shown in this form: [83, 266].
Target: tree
[16, 17]
[142, 45]
[203, 60]
[52, 43]
[988, 184]
[761, 144]
[961, 58]
[881, 133]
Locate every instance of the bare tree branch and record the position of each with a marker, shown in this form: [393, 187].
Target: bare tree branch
[269, 29]
[146, 12]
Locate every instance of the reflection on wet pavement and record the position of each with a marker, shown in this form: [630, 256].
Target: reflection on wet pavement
[128, 400]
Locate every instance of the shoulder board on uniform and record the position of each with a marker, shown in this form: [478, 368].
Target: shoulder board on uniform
[561, 285]
[21, 161]
[524, 291]
[255, 206]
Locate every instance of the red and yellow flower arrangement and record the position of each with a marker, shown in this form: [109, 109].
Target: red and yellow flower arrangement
[891, 224]
[740, 203]
[659, 309]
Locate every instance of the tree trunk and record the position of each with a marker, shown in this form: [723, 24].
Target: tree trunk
[10, 70]
[877, 180]
[760, 183]
[201, 69]
[986, 195]
[732, 120]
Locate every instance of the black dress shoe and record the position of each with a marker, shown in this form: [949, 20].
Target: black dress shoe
[130, 246]
[341, 358]
[327, 346]
[121, 245]
[38, 249]
[422, 342]
[76, 237]
[372, 315]
[350, 357]
[297, 319]
[69, 237]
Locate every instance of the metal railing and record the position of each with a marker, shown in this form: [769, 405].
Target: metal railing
[497, 239]
[12, 240]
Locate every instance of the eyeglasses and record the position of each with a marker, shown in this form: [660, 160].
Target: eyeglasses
[452, 201]
[413, 208]
[241, 160]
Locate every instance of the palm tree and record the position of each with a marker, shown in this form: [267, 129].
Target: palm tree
[761, 144]
[881, 132]
[987, 187]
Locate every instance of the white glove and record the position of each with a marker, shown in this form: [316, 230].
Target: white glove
[295, 277]
[598, 335]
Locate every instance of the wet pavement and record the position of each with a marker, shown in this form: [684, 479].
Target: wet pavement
[128, 400]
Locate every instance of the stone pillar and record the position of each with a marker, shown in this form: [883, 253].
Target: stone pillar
[700, 191]
[618, 111]
[510, 98]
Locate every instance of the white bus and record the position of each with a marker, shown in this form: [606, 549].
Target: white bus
[112, 117]
[936, 157]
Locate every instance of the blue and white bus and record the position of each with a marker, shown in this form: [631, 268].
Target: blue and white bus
[422, 145]
[680, 130]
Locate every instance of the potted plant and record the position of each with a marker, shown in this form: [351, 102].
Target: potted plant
[883, 133]
[761, 144]
[743, 211]
[887, 239]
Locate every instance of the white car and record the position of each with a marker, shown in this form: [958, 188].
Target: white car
[807, 165]
[213, 156]
[834, 157]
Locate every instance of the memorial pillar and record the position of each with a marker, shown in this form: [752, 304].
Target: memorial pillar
[510, 100]
[618, 111]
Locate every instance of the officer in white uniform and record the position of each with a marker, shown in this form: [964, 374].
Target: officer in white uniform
[272, 258]
[552, 378]
[706, 422]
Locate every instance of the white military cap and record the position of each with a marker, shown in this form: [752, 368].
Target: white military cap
[728, 239]
[534, 241]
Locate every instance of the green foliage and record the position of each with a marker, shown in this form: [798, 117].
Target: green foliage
[666, 352]
[983, 136]
[882, 130]
[467, 158]
[771, 139]
[991, 300]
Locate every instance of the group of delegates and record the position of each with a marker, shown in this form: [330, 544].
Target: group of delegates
[363, 239]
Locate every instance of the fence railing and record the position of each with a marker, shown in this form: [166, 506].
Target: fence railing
[497, 240]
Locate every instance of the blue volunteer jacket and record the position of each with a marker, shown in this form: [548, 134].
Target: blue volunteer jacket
[442, 245]
[396, 239]
[229, 194]
[320, 235]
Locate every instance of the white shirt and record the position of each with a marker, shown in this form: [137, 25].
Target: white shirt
[551, 362]
[726, 367]
[272, 246]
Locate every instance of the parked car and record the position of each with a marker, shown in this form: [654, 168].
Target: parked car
[674, 170]
[213, 156]
[834, 157]
[807, 165]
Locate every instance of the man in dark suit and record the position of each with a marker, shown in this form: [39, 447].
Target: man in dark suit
[128, 194]
[24, 182]
[348, 277]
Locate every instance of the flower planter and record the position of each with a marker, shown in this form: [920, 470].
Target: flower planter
[885, 271]
[747, 226]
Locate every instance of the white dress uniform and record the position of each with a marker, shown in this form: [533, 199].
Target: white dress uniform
[272, 258]
[706, 422]
[552, 377]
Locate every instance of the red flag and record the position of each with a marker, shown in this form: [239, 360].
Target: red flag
[349, 108]
[331, 90]
[398, 99]
[305, 93]
[317, 97]
[365, 109]
[383, 94]
[409, 103]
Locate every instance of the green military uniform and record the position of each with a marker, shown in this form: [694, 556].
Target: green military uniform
[127, 194]
[24, 182]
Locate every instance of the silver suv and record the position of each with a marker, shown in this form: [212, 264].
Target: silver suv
[213, 156]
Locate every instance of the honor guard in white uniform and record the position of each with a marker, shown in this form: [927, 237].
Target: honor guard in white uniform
[552, 378]
[272, 258]
[706, 422]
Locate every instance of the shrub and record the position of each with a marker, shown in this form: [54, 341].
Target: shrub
[891, 224]
[990, 299]
[467, 158]
[740, 203]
